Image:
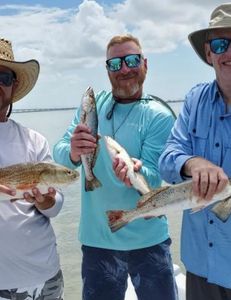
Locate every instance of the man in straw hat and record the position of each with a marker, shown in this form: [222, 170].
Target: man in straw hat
[29, 263]
[199, 147]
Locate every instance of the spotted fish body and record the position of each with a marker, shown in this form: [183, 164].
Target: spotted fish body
[88, 116]
[137, 179]
[171, 198]
[25, 176]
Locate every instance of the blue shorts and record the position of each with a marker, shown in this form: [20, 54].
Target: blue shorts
[105, 273]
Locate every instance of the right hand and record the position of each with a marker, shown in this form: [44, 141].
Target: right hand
[7, 190]
[82, 142]
[208, 179]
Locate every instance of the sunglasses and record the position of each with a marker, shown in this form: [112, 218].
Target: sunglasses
[131, 60]
[219, 45]
[7, 78]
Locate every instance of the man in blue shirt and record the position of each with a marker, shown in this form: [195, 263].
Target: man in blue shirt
[141, 125]
[200, 147]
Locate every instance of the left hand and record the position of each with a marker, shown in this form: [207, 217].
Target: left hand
[120, 169]
[41, 201]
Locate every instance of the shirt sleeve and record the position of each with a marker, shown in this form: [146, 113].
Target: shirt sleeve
[178, 147]
[61, 151]
[153, 145]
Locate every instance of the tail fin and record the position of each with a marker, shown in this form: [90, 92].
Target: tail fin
[115, 219]
[90, 185]
[222, 209]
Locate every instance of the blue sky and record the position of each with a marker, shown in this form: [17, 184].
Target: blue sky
[69, 38]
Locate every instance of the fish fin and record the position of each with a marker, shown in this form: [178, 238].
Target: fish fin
[222, 209]
[196, 209]
[95, 156]
[115, 219]
[90, 185]
[150, 195]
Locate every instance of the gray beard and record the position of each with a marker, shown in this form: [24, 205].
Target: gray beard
[126, 93]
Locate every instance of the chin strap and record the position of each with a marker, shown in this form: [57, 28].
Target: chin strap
[9, 111]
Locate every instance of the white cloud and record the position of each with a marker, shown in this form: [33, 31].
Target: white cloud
[70, 43]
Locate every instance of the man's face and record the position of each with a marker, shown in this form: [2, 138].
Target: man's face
[127, 83]
[6, 92]
[220, 62]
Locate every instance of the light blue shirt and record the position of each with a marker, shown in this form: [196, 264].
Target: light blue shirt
[203, 128]
[142, 130]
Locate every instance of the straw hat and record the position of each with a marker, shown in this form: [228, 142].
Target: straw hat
[26, 72]
[220, 18]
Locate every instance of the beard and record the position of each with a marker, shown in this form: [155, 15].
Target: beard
[4, 101]
[128, 86]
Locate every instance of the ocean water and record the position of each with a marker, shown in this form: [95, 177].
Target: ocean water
[52, 124]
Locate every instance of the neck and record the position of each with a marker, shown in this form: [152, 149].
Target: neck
[127, 100]
[3, 118]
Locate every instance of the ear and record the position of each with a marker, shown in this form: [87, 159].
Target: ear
[208, 53]
[146, 64]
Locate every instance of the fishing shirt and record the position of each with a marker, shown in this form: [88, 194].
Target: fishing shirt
[28, 254]
[203, 128]
[142, 128]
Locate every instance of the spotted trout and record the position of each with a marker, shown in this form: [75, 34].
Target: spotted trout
[137, 179]
[89, 117]
[176, 197]
[25, 176]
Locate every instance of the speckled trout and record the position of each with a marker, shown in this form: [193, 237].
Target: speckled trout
[177, 197]
[137, 179]
[88, 116]
[25, 176]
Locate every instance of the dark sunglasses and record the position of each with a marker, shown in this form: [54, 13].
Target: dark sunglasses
[219, 45]
[131, 60]
[7, 78]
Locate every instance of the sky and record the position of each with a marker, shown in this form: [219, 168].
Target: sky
[69, 40]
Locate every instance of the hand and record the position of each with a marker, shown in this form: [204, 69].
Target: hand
[41, 201]
[7, 190]
[208, 179]
[120, 168]
[82, 142]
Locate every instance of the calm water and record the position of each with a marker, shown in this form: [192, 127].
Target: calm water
[52, 125]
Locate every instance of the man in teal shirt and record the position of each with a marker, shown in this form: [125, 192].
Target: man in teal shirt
[141, 125]
[200, 147]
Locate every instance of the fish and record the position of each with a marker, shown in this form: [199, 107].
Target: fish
[136, 178]
[24, 176]
[89, 117]
[160, 201]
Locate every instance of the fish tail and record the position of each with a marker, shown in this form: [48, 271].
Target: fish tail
[116, 220]
[222, 209]
[90, 185]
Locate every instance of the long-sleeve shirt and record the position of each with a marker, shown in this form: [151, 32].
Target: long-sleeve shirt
[142, 129]
[203, 128]
[28, 254]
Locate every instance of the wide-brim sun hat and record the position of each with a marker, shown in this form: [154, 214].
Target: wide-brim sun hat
[26, 72]
[220, 18]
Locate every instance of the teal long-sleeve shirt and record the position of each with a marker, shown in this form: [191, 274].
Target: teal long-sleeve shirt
[142, 129]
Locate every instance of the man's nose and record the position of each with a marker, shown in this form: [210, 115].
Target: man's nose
[124, 68]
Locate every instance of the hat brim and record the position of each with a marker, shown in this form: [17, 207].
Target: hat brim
[198, 39]
[26, 73]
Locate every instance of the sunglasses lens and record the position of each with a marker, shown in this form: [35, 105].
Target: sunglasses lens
[132, 60]
[219, 46]
[6, 78]
[114, 64]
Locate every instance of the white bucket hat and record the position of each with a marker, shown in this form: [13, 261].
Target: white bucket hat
[26, 72]
[220, 18]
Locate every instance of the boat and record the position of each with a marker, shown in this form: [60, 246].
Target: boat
[180, 281]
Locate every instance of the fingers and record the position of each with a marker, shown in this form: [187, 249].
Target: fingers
[82, 142]
[41, 201]
[121, 170]
[7, 190]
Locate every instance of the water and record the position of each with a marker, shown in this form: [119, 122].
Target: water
[52, 125]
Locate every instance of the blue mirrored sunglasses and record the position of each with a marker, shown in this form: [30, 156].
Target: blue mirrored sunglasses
[131, 60]
[7, 78]
[219, 45]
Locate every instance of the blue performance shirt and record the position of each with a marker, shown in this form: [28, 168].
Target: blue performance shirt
[203, 128]
[142, 130]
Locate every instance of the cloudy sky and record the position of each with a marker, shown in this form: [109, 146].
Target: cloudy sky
[69, 38]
